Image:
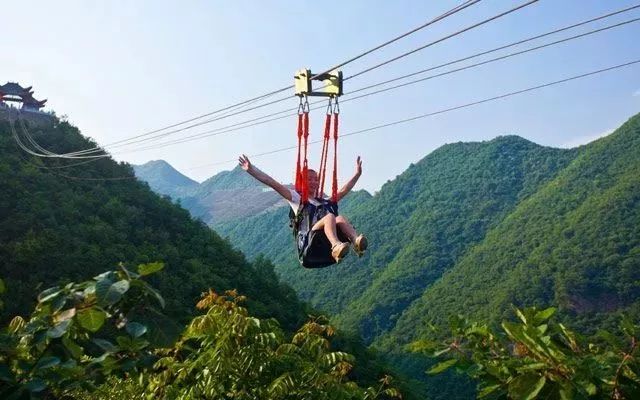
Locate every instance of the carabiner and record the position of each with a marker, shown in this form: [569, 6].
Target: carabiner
[306, 107]
[329, 107]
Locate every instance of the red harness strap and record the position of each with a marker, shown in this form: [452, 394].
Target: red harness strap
[305, 167]
[325, 152]
[302, 168]
[298, 184]
[302, 165]
[334, 185]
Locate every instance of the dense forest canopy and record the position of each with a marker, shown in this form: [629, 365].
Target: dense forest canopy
[420, 224]
[59, 224]
[472, 229]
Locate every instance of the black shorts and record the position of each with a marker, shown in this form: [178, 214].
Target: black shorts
[318, 251]
[314, 249]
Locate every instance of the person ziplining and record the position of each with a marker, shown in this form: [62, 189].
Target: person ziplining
[330, 233]
[323, 237]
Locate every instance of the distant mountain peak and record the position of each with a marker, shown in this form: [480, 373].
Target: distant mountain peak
[236, 178]
[162, 177]
[157, 163]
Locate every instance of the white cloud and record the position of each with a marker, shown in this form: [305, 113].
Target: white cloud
[636, 93]
[580, 140]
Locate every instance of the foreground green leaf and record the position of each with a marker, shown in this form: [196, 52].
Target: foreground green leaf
[91, 319]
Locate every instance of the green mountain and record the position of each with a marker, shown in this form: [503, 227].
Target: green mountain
[64, 220]
[472, 229]
[60, 224]
[575, 244]
[164, 179]
[228, 180]
[215, 200]
[419, 225]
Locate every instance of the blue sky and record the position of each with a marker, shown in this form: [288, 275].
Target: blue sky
[120, 68]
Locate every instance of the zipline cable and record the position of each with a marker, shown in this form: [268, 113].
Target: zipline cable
[237, 126]
[164, 134]
[529, 39]
[402, 121]
[478, 24]
[21, 146]
[461, 31]
[40, 148]
[443, 111]
[48, 154]
[454, 10]
[458, 8]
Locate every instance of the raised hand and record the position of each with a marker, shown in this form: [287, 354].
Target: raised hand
[358, 166]
[244, 163]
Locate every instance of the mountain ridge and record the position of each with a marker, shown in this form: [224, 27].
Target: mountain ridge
[472, 228]
[580, 215]
[215, 200]
[165, 179]
[386, 218]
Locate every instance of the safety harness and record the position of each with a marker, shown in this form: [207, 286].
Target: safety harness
[310, 253]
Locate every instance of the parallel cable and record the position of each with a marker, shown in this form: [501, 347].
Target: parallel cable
[20, 145]
[364, 71]
[247, 124]
[164, 134]
[460, 7]
[517, 53]
[402, 121]
[519, 42]
[371, 68]
[454, 10]
[459, 32]
[40, 148]
[473, 26]
[443, 111]
[45, 151]
[46, 154]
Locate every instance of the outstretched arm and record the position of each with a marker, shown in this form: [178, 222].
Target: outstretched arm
[349, 185]
[246, 165]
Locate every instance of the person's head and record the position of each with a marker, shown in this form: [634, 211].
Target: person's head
[312, 179]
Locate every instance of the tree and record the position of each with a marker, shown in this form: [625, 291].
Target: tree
[78, 335]
[536, 358]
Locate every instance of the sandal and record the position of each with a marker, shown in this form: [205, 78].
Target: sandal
[339, 250]
[360, 245]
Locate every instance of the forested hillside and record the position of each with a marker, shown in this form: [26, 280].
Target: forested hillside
[419, 225]
[475, 229]
[61, 224]
[64, 220]
[574, 244]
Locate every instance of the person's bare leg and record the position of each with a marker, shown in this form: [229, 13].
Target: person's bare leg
[345, 227]
[328, 223]
[338, 248]
[360, 242]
